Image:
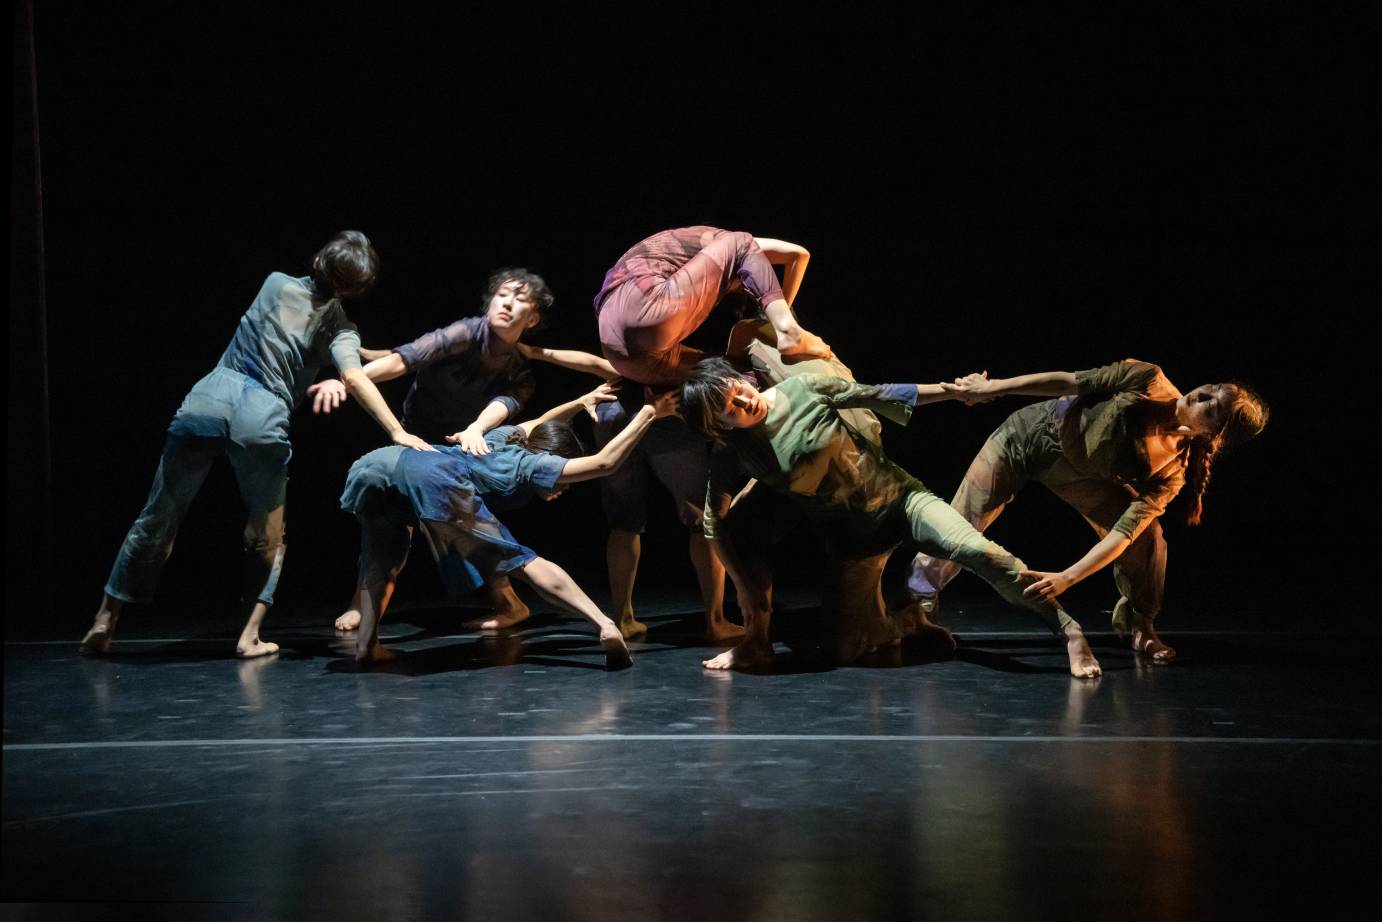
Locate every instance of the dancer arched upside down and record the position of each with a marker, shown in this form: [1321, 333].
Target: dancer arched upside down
[451, 496]
[792, 439]
[1118, 446]
[654, 296]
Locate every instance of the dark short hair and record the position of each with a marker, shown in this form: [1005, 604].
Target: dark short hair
[529, 282]
[705, 393]
[347, 266]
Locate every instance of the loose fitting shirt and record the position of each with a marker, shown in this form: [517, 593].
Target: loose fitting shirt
[650, 261]
[807, 451]
[1099, 438]
[459, 370]
[442, 484]
[288, 333]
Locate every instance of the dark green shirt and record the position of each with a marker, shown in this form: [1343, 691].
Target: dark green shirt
[1101, 437]
[807, 451]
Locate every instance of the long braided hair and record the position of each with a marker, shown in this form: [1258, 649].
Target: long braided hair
[1245, 418]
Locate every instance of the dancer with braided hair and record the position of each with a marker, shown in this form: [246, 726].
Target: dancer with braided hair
[1118, 446]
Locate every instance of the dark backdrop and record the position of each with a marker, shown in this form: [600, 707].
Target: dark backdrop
[1010, 192]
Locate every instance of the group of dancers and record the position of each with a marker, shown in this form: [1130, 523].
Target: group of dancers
[774, 438]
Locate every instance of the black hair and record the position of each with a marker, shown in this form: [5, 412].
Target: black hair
[347, 266]
[530, 283]
[705, 393]
[553, 437]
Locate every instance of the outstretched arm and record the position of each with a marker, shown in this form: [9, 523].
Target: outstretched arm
[572, 359]
[1050, 585]
[564, 411]
[329, 393]
[791, 257]
[979, 388]
[364, 391]
[608, 459]
[472, 437]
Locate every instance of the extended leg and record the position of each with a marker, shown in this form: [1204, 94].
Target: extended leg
[262, 473]
[994, 477]
[383, 554]
[943, 532]
[182, 470]
[556, 586]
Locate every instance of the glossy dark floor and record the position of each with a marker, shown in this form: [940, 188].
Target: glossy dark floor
[511, 778]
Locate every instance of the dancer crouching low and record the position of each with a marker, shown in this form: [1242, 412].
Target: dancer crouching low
[452, 497]
[791, 439]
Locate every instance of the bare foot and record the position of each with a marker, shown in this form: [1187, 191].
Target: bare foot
[376, 655]
[616, 651]
[720, 631]
[97, 640]
[1083, 665]
[748, 655]
[350, 621]
[631, 629]
[499, 619]
[798, 341]
[252, 647]
[1145, 641]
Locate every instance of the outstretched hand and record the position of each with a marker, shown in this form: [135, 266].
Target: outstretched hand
[664, 405]
[471, 440]
[1047, 586]
[605, 393]
[327, 395]
[972, 389]
[372, 355]
[408, 440]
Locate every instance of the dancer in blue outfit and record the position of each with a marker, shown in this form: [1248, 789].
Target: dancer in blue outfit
[451, 496]
[241, 410]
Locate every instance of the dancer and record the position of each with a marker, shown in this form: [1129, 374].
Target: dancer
[450, 496]
[241, 410]
[469, 377]
[655, 296]
[1118, 447]
[792, 439]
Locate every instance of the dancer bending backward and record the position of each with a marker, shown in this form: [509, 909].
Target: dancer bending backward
[1118, 446]
[469, 377]
[241, 410]
[655, 296]
[452, 495]
[792, 439]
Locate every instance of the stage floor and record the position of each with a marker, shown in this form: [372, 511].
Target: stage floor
[511, 778]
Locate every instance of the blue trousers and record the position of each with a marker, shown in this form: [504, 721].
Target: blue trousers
[225, 414]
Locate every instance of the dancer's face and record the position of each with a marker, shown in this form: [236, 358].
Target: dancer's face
[1204, 410]
[511, 310]
[744, 407]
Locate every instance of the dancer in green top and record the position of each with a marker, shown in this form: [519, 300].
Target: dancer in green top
[792, 439]
[1118, 446]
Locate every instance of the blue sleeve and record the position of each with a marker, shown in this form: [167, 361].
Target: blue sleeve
[345, 350]
[438, 344]
[892, 401]
[541, 470]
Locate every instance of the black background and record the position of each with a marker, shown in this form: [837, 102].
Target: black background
[1008, 191]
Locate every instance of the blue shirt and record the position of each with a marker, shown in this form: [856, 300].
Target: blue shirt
[286, 336]
[458, 371]
[441, 484]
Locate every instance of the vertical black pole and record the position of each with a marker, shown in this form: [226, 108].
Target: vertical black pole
[28, 471]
